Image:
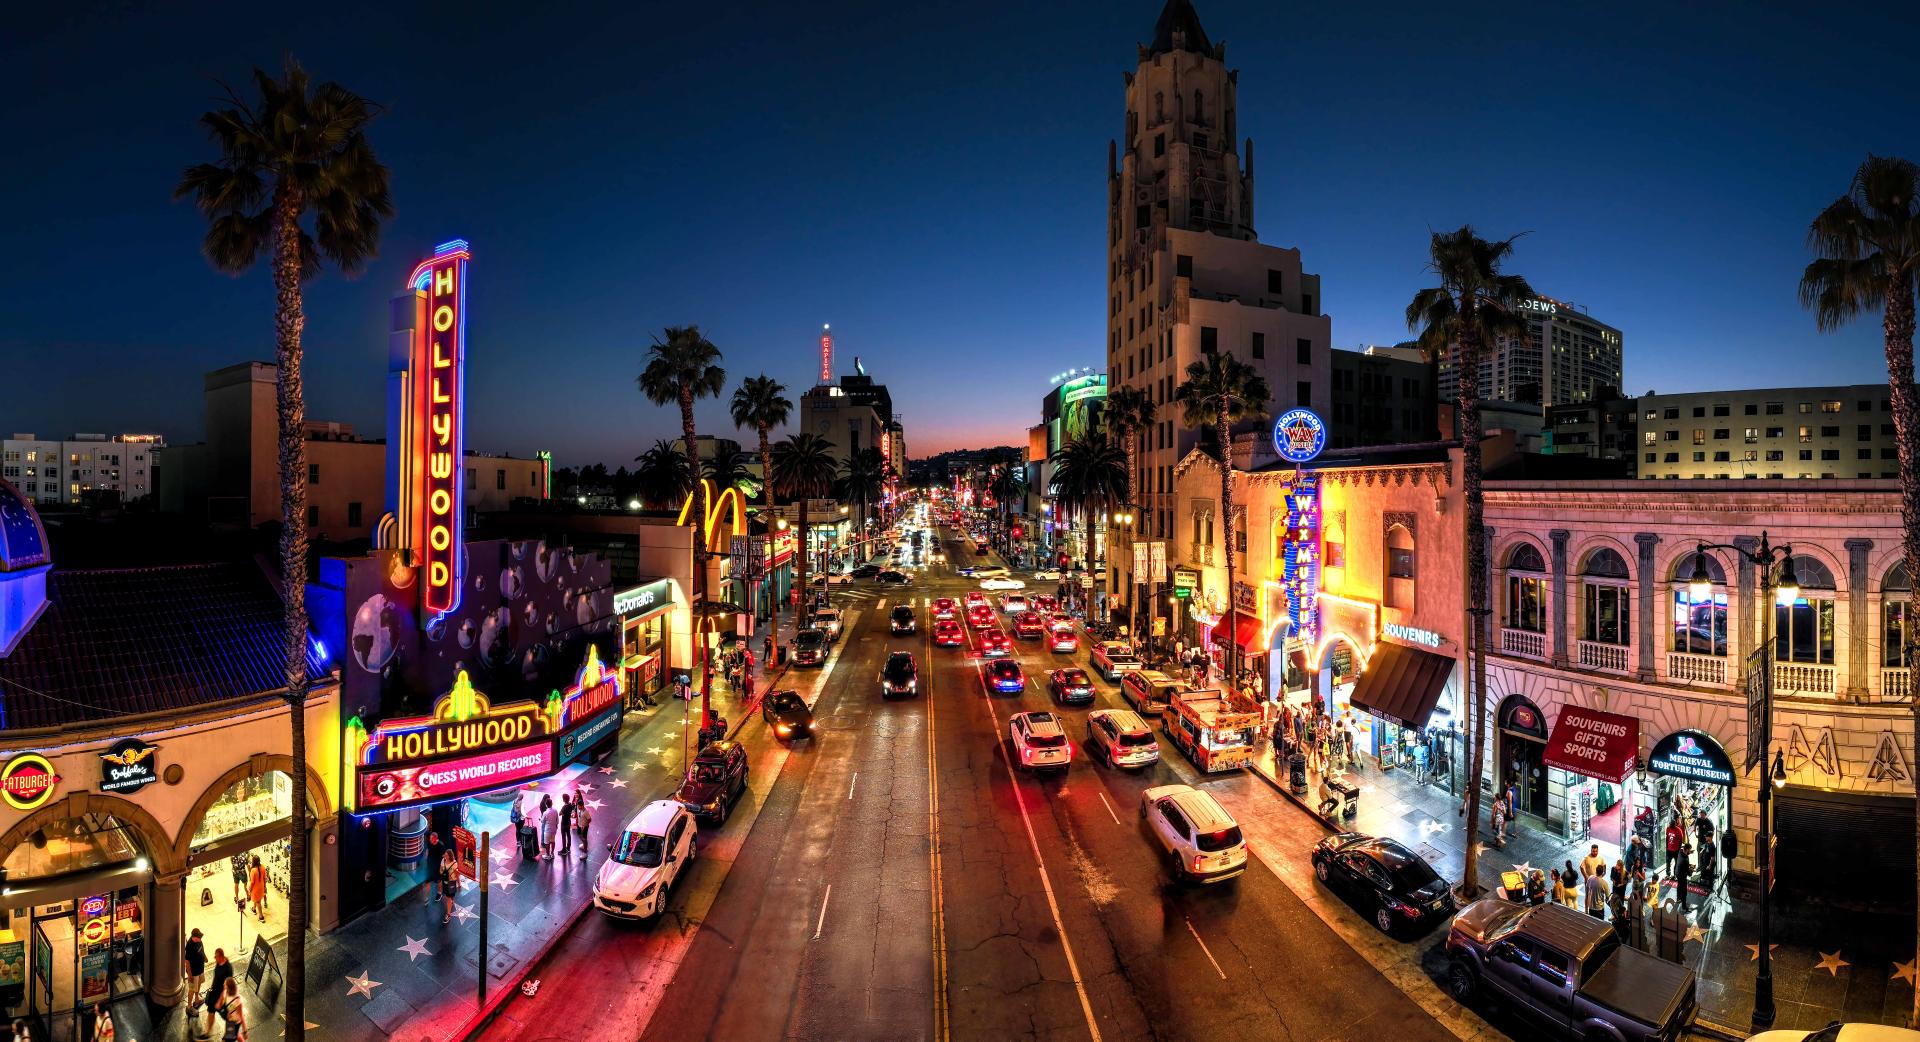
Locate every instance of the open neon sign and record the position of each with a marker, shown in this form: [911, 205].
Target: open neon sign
[439, 368]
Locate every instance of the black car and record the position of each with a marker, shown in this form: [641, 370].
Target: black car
[865, 571]
[788, 714]
[901, 621]
[892, 577]
[717, 778]
[1380, 877]
[899, 676]
[810, 648]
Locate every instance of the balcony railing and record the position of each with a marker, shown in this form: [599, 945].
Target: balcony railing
[1696, 669]
[1896, 685]
[1610, 657]
[1525, 643]
[1802, 678]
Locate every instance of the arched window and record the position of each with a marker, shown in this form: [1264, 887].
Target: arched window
[1606, 611]
[1526, 589]
[1896, 615]
[1699, 625]
[74, 845]
[1400, 567]
[1803, 630]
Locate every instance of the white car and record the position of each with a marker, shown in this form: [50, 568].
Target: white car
[839, 579]
[1122, 738]
[1013, 603]
[828, 621]
[987, 571]
[645, 862]
[1202, 841]
[1039, 741]
[1002, 583]
[1047, 575]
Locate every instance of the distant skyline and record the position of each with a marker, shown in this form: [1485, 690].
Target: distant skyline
[928, 178]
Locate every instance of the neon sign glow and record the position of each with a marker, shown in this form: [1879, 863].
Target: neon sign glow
[439, 399]
[1300, 569]
[826, 354]
[1299, 435]
[715, 506]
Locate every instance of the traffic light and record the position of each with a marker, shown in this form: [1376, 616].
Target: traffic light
[1018, 531]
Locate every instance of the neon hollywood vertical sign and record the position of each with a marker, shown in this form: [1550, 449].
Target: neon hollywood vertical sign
[439, 389]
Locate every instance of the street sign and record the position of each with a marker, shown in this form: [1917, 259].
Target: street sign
[1184, 580]
[1086, 582]
[1759, 697]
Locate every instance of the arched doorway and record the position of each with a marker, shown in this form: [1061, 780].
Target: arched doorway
[1522, 757]
[244, 820]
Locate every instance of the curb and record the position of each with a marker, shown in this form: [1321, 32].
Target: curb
[478, 1022]
[1330, 826]
[1709, 1029]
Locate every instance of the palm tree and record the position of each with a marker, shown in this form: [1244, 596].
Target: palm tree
[760, 402]
[862, 481]
[1088, 472]
[662, 475]
[1474, 305]
[1220, 391]
[729, 468]
[1868, 242]
[683, 366]
[803, 469]
[297, 149]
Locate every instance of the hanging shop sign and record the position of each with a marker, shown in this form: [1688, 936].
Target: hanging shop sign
[393, 788]
[1184, 581]
[129, 766]
[1691, 755]
[27, 781]
[1595, 744]
[1412, 635]
[437, 427]
[1299, 435]
[642, 600]
[588, 735]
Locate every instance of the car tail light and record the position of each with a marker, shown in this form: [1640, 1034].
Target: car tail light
[1199, 862]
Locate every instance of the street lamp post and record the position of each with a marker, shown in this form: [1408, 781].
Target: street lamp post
[1122, 520]
[1774, 774]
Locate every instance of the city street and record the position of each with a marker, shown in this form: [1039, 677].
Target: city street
[1055, 918]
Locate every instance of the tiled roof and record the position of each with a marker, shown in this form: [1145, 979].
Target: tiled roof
[140, 640]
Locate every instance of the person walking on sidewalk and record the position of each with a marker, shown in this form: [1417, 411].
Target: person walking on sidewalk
[222, 978]
[449, 871]
[1637, 909]
[238, 865]
[567, 812]
[194, 954]
[1675, 836]
[257, 888]
[1597, 896]
[582, 817]
[549, 824]
[234, 1012]
[1500, 823]
[102, 1023]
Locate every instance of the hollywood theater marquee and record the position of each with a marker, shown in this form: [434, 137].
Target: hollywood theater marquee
[468, 746]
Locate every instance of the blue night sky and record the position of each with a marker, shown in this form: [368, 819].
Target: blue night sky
[929, 178]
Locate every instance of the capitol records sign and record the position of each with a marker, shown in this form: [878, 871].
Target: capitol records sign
[129, 766]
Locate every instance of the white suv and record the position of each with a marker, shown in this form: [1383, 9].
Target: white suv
[1122, 738]
[827, 621]
[1202, 841]
[1039, 741]
[1013, 604]
[646, 861]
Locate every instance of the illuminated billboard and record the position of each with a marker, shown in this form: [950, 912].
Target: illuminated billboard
[437, 431]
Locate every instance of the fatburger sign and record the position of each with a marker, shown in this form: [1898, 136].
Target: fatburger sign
[27, 781]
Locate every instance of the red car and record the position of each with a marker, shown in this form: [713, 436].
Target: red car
[1026, 625]
[944, 608]
[947, 634]
[1063, 639]
[976, 599]
[1046, 605]
[994, 644]
[981, 618]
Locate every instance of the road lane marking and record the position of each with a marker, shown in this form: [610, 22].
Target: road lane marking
[851, 784]
[1196, 939]
[822, 921]
[1109, 806]
[941, 1018]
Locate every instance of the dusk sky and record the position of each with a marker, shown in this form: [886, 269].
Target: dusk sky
[929, 178]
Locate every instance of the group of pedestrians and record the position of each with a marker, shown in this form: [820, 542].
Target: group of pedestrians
[1328, 744]
[222, 995]
[563, 824]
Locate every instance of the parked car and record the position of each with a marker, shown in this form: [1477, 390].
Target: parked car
[788, 714]
[900, 620]
[1112, 658]
[1202, 841]
[899, 676]
[645, 861]
[1004, 676]
[1070, 686]
[1122, 738]
[1039, 741]
[944, 608]
[948, 634]
[1149, 690]
[1566, 972]
[1002, 583]
[994, 643]
[827, 621]
[717, 778]
[809, 648]
[1383, 880]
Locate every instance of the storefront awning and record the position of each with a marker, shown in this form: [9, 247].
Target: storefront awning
[1402, 684]
[1246, 628]
[1595, 744]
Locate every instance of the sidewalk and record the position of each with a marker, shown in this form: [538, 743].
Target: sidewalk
[1828, 963]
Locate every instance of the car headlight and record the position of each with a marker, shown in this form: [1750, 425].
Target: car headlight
[648, 892]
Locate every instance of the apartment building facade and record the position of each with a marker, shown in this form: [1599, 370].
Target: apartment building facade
[1778, 432]
[68, 470]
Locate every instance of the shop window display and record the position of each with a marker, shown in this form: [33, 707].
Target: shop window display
[234, 895]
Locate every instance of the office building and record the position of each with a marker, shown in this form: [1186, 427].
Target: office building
[1781, 432]
[1606, 428]
[1381, 396]
[1566, 356]
[854, 414]
[72, 470]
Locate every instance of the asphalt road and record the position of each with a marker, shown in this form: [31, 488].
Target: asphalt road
[1054, 917]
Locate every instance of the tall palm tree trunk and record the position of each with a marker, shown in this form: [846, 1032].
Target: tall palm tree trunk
[290, 401]
[1226, 518]
[698, 489]
[766, 491]
[1469, 406]
[1898, 324]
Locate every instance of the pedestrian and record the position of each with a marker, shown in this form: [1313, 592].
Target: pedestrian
[1597, 896]
[195, 957]
[582, 817]
[449, 873]
[1536, 888]
[1593, 864]
[567, 811]
[1675, 836]
[1637, 853]
[766, 649]
[1573, 885]
[1637, 909]
[549, 824]
[20, 1032]
[237, 864]
[257, 887]
[222, 977]
[102, 1023]
[1682, 876]
[1703, 844]
[1499, 822]
[1562, 889]
[234, 1012]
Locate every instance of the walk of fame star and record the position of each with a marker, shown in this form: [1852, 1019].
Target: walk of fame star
[361, 985]
[1754, 951]
[415, 947]
[1903, 971]
[1831, 963]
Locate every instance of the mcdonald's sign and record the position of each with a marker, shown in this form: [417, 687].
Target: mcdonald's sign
[725, 506]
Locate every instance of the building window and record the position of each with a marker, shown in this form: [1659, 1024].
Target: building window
[1527, 596]
[1896, 615]
[1864, 454]
[1751, 409]
[1183, 266]
[1699, 435]
[1863, 432]
[1670, 435]
[1722, 433]
[353, 515]
[473, 476]
[1276, 282]
[1159, 145]
[1209, 340]
[1699, 627]
[1721, 457]
[1722, 410]
[1805, 408]
[1699, 411]
[313, 517]
[313, 473]
[1829, 406]
[1829, 454]
[1651, 455]
[1803, 630]
[1652, 437]
[1259, 346]
[1830, 432]
[1303, 394]
[1671, 457]
[1806, 434]
[1776, 408]
[1776, 432]
[1750, 456]
[1607, 618]
[1669, 414]
[1699, 457]
[1753, 435]
[500, 480]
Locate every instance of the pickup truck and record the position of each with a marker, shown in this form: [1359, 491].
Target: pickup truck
[1567, 973]
[1112, 658]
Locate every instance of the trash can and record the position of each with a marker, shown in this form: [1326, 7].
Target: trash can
[782, 655]
[1297, 774]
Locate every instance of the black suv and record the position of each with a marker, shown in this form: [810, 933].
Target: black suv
[901, 621]
[899, 676]
[865, 571]
[717, 778]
